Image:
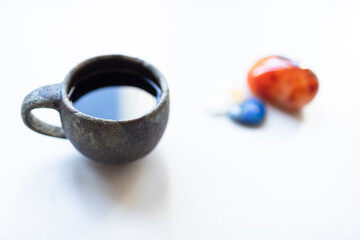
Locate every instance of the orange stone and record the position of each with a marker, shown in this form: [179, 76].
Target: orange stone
[283, 83]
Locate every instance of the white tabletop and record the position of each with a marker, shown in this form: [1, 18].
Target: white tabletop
[209, 178]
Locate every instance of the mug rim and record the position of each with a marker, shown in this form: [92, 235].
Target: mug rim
[162, 84]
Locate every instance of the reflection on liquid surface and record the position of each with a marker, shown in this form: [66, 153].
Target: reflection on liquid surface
[116, 102]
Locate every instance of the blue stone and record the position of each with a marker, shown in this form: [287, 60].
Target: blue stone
[250, 112]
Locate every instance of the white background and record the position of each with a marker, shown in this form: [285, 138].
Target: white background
[293, 178]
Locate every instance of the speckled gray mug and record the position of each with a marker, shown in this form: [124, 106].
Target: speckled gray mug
[106, 141]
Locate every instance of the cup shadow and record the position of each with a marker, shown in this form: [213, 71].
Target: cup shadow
[140, 185]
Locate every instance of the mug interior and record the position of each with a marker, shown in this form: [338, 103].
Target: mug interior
[110, 70]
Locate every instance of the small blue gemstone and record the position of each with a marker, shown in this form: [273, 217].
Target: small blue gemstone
[250, 112]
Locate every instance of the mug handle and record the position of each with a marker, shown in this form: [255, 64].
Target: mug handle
[42, 97]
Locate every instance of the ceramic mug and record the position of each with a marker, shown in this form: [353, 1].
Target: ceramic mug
[103, 140]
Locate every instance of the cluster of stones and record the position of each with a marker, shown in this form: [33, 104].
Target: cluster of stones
[278, 81]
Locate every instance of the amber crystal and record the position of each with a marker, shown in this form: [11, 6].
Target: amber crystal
[283, 83]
